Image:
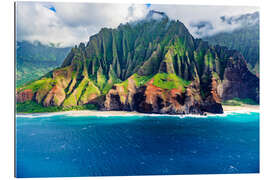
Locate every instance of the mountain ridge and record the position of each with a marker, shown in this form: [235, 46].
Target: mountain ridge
[245, 38]
[33, 60]
[152, 66]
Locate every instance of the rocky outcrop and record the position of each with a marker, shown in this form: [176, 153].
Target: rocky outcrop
[113, 101]
[25, 95]
[238, 80]
[212, 103]
[152, 99]
[57, 95]
[120, 97]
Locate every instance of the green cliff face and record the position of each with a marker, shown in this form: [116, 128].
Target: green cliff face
[148, 66]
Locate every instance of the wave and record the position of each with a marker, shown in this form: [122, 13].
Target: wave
[36, 115]
[125, 113]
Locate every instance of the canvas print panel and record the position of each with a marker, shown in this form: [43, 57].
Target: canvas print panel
[136, 89]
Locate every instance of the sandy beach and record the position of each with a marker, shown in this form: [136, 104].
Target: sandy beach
[243, 108]
[227, 109]
[102, 113]
[83, 113]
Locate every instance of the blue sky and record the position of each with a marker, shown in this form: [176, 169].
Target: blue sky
[52, 9]
[71, 23]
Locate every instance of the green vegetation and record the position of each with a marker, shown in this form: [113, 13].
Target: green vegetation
[112, 80]
[70, 101]
[245, 40]
[239, 102]
[34, 60]
[179, 47]
[169, 81]
[208, 59]
[124, 84]
[80, 88]
[44, 83]
[107, 87]
[216, 76]
[33, 107]
[141, 80]
[198, 56]
[76, 94]
[157, 51]
[101, 79]
[90, 89]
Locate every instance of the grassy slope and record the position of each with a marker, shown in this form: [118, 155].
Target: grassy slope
[86, 87]
[33, 107]
[239, 102]
[44, 83]
[169, 81]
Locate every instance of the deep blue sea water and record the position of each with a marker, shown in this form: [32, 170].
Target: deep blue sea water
[62, 145]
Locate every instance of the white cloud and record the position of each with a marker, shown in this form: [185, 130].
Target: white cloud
[136, 12]
[193, 14]
[71, 23]
[37, 22]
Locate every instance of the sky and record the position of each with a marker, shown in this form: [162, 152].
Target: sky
[69, 24]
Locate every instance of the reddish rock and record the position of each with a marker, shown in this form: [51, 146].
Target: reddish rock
[55, 97]
[152, 99]
[212, 103]
[25, 95]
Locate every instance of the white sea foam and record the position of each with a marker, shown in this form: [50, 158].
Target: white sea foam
[35, 115]
[125, 113]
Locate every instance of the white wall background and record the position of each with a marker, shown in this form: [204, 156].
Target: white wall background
[7, 89]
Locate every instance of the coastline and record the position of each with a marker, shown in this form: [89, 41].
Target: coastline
[243, 108]
[226, 109]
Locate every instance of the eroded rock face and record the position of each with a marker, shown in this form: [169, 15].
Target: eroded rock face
[174, 101]
[25, 95]
[212, 103]
[113, 100]
[152, 99]
[238, 80]
[120, 99]
[55, 97]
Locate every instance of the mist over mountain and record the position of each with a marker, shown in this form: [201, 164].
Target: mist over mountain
[34, 60]
[226, 24]
[70, 23]
[245, 20]
[245, 38]
[153, 65]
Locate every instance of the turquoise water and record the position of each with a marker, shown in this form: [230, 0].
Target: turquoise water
[62, 145]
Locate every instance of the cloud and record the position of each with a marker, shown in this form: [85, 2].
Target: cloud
[224, 24]
[246, 19]
[50, 7]
[208, 15]
[71, 23]
[136, 12]
[201, 27]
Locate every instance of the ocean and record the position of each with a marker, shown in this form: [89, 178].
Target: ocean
[71, 146]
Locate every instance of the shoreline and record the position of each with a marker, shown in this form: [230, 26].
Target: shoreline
[246, 107]
[226, 109]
